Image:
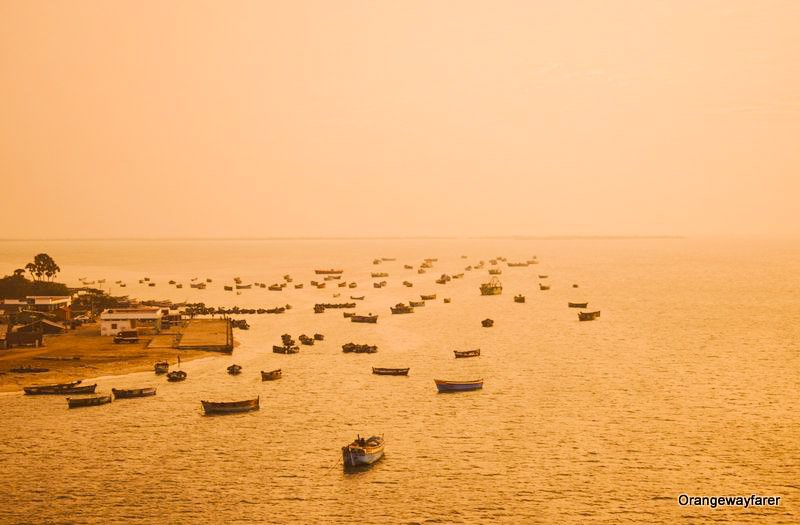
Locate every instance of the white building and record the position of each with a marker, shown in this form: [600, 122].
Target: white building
[143, 318]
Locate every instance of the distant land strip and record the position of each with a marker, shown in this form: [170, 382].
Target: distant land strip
[368, 238]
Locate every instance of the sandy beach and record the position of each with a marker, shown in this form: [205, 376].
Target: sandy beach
[82, 353]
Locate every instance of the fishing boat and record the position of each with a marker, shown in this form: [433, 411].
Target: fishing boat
[519, 298]
[588, 316]
[364, 319]
[495, 271]
[517, 264]
[574, 285]
[352, 285]
[431, 297]
[493, 287]
[319, 309]
[359, 348]
[243, 286]
[298, 286]
[401, 308]
[577, 305]
[176, 375]
[234, 369]
[271, 375]
[543, 276]
[379, 274]
[390, 371]
[408, 267]
[446, 300]
[458, 386]
[28, 370]
[285, 349]
[359, 298]
[408, 284]
[162, 367]
[126, 393]
[275, 287]
[228, 288]
[231, 407]
[347, 315]
[467, 353]
[319, 337]
[77, 402]
[60, 389]
[388, 259]
[363, 451]
[487, 323]
[306, 340]
[544, 287]
[328, 272]
[416, 304]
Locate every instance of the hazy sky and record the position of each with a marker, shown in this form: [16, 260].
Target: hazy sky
[298, 118]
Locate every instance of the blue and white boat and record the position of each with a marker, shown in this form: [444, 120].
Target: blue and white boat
[458, 386]
[363, 451]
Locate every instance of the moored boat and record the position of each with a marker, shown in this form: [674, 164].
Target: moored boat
[458, 386]
[126, 393]
[390, 371]
[234, 369]
[328, 272]
[401, 308]
[285, 349]
[416, 304]
[577, 305]
[364, 319]
[431, 297]
[231, 407]
[162, 367]
[544, 287]
[76, 402]
[493, 287]
[588, 316]
[363, 451]
[271, 375]
[467, 353]
[359, 298]
[519, 298]
[487, 323]
[176, 375]
[59, 389]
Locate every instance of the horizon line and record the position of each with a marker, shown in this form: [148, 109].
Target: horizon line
[350, 238]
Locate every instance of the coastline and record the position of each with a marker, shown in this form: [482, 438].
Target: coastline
[83, 354]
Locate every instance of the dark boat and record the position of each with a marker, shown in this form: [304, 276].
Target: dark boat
[29, 370]
[234, 370]
[228, 288]
[359, 298]
[574, 285]
[306, 340]
[359, 349]
[577, 305]
[401, 308]
[176, 375]
[588, 316]
[319, 309]
[375, 275]
[55, 390]
[519, 298]
[285, 349]
[352, 285]
[544, 287]
[495, 271]
[408, 267]
[77, 402]
[408, 284]
[231, 407]
[363, 451]
[446, 299]
[347, 315]
[431, 297]
[243, 286]
[121, 393]
[319, 337]
[364, 319]
[275, 288]
[162, 367]
[390, 371]
[416, 304]
[487, 323]
[467, 353]
[271, 375]
[298, 286]
[458, 386]
[493, 287]
[543, 277]
[328, 272]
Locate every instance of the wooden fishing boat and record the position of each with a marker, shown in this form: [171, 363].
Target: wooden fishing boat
[431, 297]
[363, 451]
[577, 305]
[228, 288]
[231, 407]
[408, 284]
[519, 298]
[243, 286]
[588, 316]
[275, 288]
[390, 371]
[458, 386]
[359, 298]
[364, 319]
[517, 264]
[328, 272]
[77, 402]
[574, 285]
[285, 349]
[234, 370]
[408, 267]
[446, 300]
[28, 370]
[495, 271]
[176, 375]
[162, 367]
[359, 348]
[126, 393]
[416, 304]
[543, 276]
[352, 285]
[487, 323]
[401, 308]
[467, 353]
[319, 337]
[544, 287]
[347, 315]
[271, 375]
[379, 274]
[60, 389]
[493, 287]
[388, 259]
[306, 340]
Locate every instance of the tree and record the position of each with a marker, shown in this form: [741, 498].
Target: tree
[42, 265]
[19, 272]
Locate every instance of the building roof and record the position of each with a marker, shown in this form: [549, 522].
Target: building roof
[144, 312]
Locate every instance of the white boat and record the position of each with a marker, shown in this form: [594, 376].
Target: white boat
[363, 451]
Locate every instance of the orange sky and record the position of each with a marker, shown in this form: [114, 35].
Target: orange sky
[338, 118]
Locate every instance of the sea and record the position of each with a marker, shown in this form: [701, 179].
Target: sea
[687, 383]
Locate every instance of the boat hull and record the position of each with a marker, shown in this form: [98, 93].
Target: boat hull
[57, 391]
[458, 386]
[88, 401]
[131, 393]
[390, 371]
[233, 407]
[359, 456]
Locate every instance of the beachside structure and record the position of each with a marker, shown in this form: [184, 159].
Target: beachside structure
[142, 318]
[56, 306]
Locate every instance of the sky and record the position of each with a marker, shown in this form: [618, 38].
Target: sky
[149, 119]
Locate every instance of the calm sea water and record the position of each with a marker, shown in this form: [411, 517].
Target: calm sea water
[688, 383]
